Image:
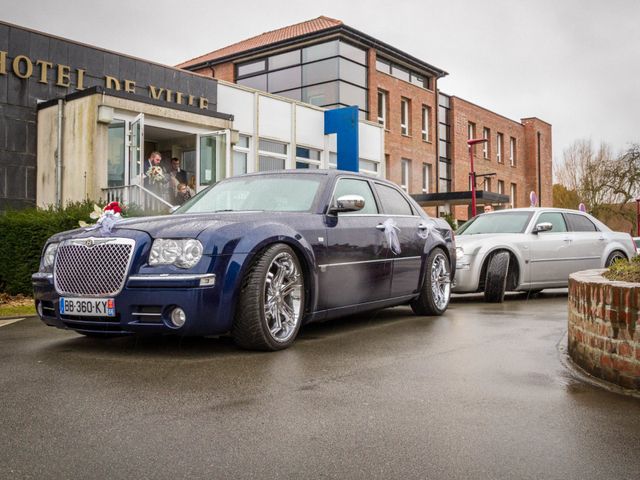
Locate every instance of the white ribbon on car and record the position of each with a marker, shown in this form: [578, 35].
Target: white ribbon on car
[391, 234]
[424, 234]
[106, 222]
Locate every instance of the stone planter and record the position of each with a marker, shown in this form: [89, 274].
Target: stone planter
[604, 333]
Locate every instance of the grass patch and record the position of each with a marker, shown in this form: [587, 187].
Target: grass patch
[624, 271]
[13, 306]
[10, 311]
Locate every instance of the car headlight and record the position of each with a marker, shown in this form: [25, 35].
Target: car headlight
[459, 253]
[183, 253]
[48, 257]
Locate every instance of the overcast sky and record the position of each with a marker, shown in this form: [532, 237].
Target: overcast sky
[572, 63]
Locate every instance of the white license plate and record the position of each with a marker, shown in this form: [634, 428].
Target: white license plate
[88, 307]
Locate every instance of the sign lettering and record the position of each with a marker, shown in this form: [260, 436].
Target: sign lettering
[66, 76]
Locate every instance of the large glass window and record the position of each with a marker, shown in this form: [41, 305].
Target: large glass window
[284, 60]
[252, 67]
[352, 72]
[289, 73]
[115, 155]
[352, 95]
[401, 73]
[318, 72]
[320, 51]
[284, 79]
[352, 52]
[258, 82]
[323, 94]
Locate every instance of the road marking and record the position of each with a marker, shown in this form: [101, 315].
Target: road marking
[4, 323]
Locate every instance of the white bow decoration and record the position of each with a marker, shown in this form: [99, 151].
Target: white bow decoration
[391, 234]
[424, 234]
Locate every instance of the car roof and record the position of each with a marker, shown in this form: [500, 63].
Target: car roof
[329, 173]
[532, 209]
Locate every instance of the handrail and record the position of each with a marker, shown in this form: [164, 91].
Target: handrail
[149, 192]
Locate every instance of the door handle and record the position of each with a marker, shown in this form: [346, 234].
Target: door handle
[568, 239]
[422, 226]
[380, 226]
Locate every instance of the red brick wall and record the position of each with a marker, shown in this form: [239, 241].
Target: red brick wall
[224, 71]
[523, 174]
[604, 332]
[399, 146]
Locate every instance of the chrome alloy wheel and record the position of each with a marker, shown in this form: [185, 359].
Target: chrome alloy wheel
[283, 288]
[440, 281]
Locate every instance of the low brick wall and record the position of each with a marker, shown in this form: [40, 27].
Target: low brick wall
[604, 333]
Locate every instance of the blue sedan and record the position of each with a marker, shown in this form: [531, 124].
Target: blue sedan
[256, 256]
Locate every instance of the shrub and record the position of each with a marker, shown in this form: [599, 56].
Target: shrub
[625, 271]
[23, 234]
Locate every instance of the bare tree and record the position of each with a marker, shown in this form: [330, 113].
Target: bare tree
[602, 180]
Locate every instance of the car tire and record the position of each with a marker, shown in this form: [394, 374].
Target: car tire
[496, 280]
[271, 301]
[613, 256]
[436, 288]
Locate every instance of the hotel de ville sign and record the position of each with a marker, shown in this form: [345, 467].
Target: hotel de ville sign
[65, 76]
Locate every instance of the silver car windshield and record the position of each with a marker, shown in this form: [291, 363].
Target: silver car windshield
[511, 222]
[287, 193]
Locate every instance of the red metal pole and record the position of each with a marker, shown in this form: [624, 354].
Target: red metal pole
[472, 179]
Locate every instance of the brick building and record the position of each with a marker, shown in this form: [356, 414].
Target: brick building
[330, 64]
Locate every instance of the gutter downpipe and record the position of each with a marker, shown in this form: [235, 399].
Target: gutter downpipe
[59, 154]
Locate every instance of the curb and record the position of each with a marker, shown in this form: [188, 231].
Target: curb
[584, 376]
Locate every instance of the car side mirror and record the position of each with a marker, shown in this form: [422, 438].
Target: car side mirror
[543, 227]
[347, 203]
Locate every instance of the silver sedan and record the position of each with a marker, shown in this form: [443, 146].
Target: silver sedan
[529, 249]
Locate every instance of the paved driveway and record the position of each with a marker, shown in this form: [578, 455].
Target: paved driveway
[477, 393]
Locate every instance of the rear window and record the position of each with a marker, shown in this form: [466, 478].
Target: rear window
[393, 202]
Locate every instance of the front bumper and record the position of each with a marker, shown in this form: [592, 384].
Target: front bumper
[467, 274]
[143, 306]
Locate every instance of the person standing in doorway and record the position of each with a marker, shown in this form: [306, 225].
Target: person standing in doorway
[156, 178]
[177, 176]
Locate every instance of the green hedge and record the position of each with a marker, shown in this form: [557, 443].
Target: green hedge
[22, 237]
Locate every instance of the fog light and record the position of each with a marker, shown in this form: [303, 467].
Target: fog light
[39, 309]
[178, 317]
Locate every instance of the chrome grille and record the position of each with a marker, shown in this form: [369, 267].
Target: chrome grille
[92, 266]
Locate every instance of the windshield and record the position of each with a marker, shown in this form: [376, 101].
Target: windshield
[287, 193]
[512, 222]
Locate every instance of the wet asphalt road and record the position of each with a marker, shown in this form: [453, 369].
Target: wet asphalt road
[480, 392]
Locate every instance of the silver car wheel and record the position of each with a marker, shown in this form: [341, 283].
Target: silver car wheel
[283, 288]
[440, 281]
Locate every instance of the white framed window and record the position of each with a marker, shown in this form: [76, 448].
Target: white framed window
[272, 155]
[405, 174]
[426, 121]
[382, 108]
[241, 154]
[333, 160]
[471, 130]
[426, 177]
[499, 148]
[486, 134]
[512, 151]
[369, 167]
[501, 186]
[487, 184]
[513, 192]
[307, 157]
[404, 116]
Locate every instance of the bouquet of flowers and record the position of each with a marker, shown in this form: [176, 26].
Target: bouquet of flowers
[105, 217]
[155, 174]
